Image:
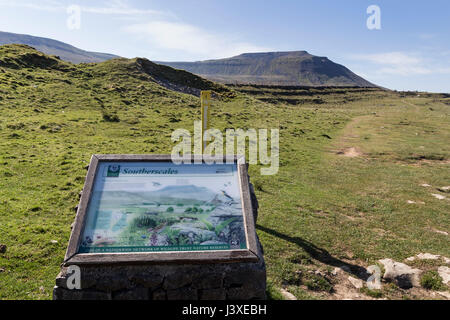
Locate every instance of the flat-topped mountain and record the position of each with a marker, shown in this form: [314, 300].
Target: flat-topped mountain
[292, 68]
[53, 47]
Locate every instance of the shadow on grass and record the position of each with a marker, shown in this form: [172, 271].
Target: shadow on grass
[318, 253]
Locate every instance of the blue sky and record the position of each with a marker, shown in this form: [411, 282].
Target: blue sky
[411, 51]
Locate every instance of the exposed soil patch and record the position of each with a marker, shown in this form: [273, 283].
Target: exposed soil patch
[351, 152]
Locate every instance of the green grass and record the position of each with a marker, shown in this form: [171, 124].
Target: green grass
[372, 293]
[322, 209]
[432, 280]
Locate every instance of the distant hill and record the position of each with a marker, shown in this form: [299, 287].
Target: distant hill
[117, 74]
[53, 47]
[293, 68]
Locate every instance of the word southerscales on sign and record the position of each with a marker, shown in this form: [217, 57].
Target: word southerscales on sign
[146, 208]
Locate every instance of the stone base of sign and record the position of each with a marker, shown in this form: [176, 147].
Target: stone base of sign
[233, 281]
[215, 281]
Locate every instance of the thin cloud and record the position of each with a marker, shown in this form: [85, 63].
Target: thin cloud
[190, 39]
[116, 7]
[391, 58]
[401, 63]
[46, 5]
[119, 7]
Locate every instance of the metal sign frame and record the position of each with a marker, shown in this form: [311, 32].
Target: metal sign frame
[217, 256]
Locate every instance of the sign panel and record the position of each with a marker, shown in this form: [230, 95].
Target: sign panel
[146, 209]
[160, 206]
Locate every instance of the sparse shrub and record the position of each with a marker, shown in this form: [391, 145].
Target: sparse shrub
[173, 119]
[318, 283]
[372, 293]
[292, 277]
[15, 126]
[110, 117]
[431, 280]
[258, 185]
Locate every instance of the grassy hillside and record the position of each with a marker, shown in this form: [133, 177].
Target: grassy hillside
[292, 68]
[54, 47]
[350, 160]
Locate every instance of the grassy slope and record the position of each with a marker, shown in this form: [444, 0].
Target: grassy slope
[320, 210]
[354, 211]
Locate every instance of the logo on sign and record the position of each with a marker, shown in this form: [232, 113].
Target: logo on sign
[113, 171]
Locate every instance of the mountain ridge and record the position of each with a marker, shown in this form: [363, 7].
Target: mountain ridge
[286, 68]
[61, 49]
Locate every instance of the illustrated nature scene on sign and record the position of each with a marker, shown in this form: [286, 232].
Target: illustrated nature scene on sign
[144, 207]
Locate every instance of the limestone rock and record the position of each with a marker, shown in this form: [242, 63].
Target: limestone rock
[403, 275]
[357, 283]
[444, 272]
[338, 270]
[287, 295]
[428, 256]
[445, 294]
[444, 189]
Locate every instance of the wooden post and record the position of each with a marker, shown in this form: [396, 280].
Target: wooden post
[205, 98]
